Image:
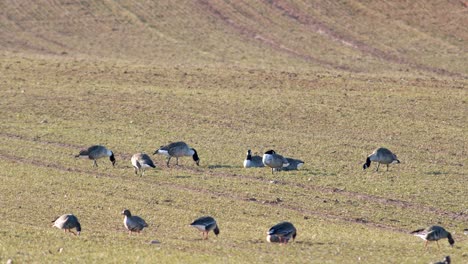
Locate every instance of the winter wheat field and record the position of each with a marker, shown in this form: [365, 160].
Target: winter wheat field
[323, 81]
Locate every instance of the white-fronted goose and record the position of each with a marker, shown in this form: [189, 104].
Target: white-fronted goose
[140, 162]
[68, 222]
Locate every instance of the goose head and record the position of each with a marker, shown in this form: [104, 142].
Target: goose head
[112, 158]
[450, 239]
[195, 157]
[78, 228]
[126, 212]
[367, 164]
[216, 230]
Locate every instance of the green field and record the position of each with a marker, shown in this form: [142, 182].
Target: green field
[324, 82]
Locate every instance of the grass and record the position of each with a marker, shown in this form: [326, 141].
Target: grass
[342, 213]
[327, 83]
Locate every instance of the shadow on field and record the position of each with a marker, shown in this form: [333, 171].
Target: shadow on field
[183, 176]
[220, 166]
[305, 243]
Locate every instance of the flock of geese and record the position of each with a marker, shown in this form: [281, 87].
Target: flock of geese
[280, 233]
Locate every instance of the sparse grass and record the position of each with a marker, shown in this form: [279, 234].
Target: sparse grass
[333, 123]
[327, 83]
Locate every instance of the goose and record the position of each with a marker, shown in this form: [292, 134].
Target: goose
[381, 156]
[281, 233]
[274, 161]
[140, 161]
[178, 149]
[446, 260]
[434, 233]
[253, 161]
[294, 164]
[205, 224]
[133, 223]
[96, 152]
[465, 231]
[68, 222]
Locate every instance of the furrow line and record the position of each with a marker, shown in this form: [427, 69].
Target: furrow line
[218, 194]
[350, 194]
[275, 45]
[321, 28]
[321, 189]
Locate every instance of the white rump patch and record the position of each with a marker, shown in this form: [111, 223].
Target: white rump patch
[200, 227]
[163, 152]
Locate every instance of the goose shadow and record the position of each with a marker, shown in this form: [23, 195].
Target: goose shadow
[220, 166]
[183, 177]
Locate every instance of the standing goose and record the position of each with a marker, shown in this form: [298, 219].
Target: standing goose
[253, 161]
[140, 161]
[381, 156]
[96, 152]
[205, 224]
[434, 233]
[68, 222]
[282, 233]
[133, 223]
[178, 149]
[274, 161]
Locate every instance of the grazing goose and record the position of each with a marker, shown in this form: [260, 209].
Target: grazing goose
[274, 161]
[294, 164]
[253, 161]
[446, 260]
[140, 161]
[133, 223]
[282, 233]
[205, 224]
[96, 152]
[381, 156]
[434, 233]
[68, 222]
[178, 149]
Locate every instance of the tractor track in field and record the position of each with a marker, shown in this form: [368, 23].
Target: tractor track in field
[251, 34]
[311, 187]
[305, 212]
[351, 194]
[315, 26]
[319, 27]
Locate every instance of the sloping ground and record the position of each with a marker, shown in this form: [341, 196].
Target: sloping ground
[356, 36]
[326, 82]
